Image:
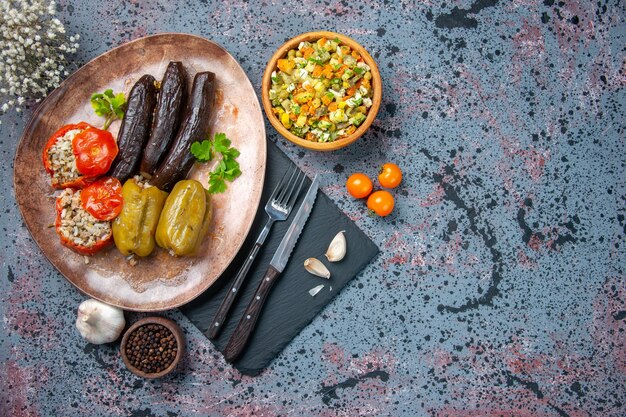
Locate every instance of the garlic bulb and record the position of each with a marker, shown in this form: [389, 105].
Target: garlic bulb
[337, 248]
[98, 322]
[316, 267]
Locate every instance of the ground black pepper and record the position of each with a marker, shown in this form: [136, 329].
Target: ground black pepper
[151, 348]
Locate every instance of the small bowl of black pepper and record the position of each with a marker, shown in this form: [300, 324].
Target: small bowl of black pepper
[152, 347]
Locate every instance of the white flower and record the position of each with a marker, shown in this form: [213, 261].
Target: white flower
[33, 49]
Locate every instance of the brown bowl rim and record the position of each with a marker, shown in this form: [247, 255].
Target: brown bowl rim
[171, 326]
[371, 114]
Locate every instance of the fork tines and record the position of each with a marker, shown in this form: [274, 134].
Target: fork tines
[286, 197]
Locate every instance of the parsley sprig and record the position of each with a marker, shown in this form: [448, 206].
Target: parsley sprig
[108, 105]
[227, 168]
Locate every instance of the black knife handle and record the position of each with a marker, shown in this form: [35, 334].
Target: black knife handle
[244, 329]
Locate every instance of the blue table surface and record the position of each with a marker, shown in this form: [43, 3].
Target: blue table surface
[499, 289]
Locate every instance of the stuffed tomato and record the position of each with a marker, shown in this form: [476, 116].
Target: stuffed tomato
[83, 217]
[77, 154]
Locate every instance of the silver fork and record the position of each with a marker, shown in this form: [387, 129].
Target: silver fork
[277, 208]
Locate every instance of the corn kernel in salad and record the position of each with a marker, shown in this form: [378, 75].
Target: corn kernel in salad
[321, 91]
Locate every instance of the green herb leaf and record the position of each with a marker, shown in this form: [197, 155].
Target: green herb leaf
[118, 103]
[216, 183]
[231, 174]
[203, 151]
[230, 164]
[108, 105]
[221, 143]
[227, 169]
[98, 102]
[231, 153]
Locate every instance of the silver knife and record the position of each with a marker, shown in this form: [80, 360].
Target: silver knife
[242, 332]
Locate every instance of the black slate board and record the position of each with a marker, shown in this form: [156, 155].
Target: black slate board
[289, 307]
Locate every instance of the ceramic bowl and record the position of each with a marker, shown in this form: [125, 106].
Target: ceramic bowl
[313, 37]
[172, 327]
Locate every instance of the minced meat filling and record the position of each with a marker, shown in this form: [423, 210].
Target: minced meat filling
[62, 159]
[77, 224]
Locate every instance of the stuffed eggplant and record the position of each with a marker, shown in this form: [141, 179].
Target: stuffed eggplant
[135, 128]
[194, 127]
[167, 115]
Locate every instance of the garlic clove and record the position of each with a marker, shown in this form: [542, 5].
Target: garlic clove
[313, 291]
[316, 267]
[337, 248]
[98, 322]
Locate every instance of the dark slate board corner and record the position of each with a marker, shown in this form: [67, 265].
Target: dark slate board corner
[289, 308]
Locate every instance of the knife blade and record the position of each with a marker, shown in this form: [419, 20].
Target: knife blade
[246, 324]
[280, 258]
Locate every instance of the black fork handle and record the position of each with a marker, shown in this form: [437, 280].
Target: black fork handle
[235, 286]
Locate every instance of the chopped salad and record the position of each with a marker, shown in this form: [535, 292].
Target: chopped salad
[321, 91]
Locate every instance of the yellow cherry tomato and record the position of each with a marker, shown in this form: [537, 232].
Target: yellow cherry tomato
[381, 203]
[359, 185]
[390, 175]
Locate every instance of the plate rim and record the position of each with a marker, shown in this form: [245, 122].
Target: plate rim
[41, 108]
